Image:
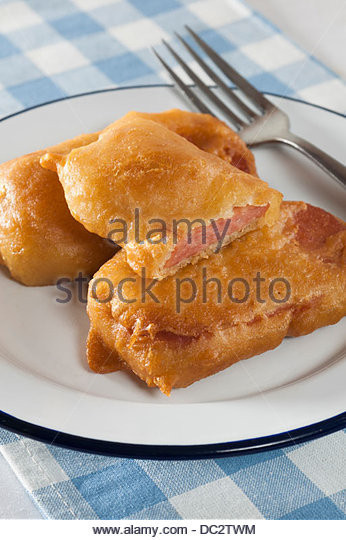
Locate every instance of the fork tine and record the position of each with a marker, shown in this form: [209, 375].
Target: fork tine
[245, 109]
[184, 87]
[202, 86]
[250, 91]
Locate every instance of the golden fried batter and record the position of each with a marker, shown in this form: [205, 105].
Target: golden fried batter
[209, 134]
[296, 276]
[137, 163]
[39, 239]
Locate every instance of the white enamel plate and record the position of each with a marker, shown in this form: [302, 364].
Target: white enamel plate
[47, 391]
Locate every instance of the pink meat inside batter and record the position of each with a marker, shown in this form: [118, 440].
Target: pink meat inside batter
[242, 217]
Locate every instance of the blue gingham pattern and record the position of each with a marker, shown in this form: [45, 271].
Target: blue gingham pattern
[56, 48]
[305, 481]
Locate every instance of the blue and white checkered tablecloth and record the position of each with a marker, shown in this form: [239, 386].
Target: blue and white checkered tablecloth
[50, 49]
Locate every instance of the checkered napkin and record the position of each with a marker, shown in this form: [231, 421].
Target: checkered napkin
[51, 49]
[306, 481]
[56, 48]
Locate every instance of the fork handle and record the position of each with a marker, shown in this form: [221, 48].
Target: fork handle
[330, 165]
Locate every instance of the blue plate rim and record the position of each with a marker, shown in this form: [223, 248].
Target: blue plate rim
[172, 452]
[169, 452]
[158, 85]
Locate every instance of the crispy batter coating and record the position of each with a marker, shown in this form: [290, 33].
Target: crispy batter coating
[301, 265]
[209, 134]
[137, 163]
[40, 241]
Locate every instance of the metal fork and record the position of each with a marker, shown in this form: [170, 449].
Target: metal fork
[265, 123]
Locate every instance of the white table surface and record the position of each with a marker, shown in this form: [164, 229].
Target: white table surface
[15, 503]
[318, 26]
